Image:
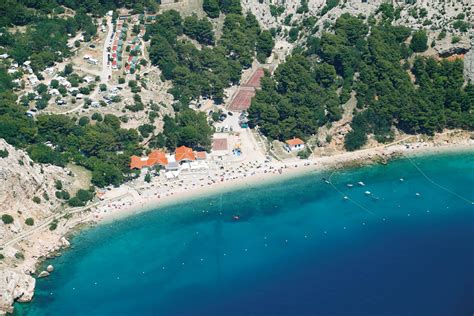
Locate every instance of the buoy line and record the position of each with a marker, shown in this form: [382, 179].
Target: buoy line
[437, 184]
[348, 198]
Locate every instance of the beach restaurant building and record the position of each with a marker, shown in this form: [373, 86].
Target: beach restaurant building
[294, 144]
[184, 159]
[156, 157]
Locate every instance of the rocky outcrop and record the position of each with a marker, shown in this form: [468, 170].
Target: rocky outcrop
[469, 61]
[448, 49]
[14, 285]
[20, 180]
[43, 274]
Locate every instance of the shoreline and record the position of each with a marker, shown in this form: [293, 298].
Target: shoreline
[277, 172]
[149, 200]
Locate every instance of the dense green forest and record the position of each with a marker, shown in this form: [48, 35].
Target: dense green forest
[377, 65]
[207, 71]
[188, 128]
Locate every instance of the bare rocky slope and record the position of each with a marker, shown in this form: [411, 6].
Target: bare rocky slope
[432, 15]
[20, 181]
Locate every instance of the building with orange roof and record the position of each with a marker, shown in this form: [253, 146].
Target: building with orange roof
[156, 157]
[455, 57]
[294, 144]
[138, 162]
[201, 155]
[184, 153]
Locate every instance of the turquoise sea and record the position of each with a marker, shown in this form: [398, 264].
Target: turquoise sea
[299, 248]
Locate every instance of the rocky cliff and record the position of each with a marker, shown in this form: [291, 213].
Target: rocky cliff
[21, 180]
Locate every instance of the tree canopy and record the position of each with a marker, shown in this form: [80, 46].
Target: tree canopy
[307, 90]
[207, 71]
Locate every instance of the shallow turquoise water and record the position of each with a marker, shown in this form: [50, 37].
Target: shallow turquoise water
[299, 248]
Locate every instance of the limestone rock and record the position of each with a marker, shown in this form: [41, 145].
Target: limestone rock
[14, 285]
[50, 268]
[65, 242]
[43, 274]
[20, 180]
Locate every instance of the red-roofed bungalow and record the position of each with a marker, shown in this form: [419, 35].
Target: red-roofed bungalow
[184, 153]
[294, 144]
[156, 157]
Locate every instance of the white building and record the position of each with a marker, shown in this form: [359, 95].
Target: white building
[294, 144]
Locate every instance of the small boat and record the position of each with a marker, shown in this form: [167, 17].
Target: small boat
[368, 192]
[349, 185]
[417, 194]
[326, 180]
[346, 197]
[401, 179]
[236, 217]
[361, 183]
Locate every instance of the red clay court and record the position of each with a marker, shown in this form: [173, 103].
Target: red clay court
[254, 81]
[242, 100]
[219, 144]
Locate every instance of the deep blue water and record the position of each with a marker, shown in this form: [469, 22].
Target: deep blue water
[299, 248]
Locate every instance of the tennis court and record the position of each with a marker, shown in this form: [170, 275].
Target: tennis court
[254, 81]
[242, 100]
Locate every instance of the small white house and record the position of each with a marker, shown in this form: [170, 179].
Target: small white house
[4, 56]
[294, 144]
